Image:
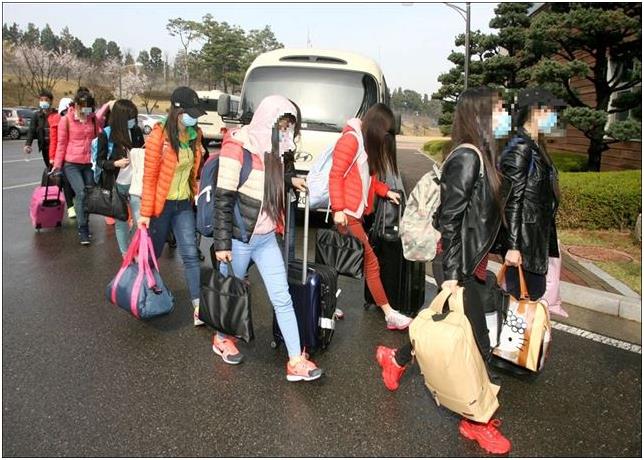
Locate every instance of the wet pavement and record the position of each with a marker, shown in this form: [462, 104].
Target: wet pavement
[83, 378]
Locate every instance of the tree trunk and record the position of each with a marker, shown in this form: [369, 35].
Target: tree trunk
[595, 150]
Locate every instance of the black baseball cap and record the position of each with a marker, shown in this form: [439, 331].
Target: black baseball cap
[540, 97]
[187, 99]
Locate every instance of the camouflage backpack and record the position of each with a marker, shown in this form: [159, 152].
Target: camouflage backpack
[417, 232]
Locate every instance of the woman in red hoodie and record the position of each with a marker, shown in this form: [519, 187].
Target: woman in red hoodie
[366, 149]
[73, 153]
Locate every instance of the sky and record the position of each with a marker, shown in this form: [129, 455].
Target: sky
[411, 41]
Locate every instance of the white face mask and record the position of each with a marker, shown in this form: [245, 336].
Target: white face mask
[287, 140]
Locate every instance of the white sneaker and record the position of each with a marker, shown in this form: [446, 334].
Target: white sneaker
[71, 213]
[195, 318]
[397, 321]
[339, 314]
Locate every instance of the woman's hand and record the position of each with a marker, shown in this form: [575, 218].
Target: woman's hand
[143, 222]
[340, 218]
[122, 163]
[224, 256]
[393, 196]
[513, 258]
[299, 183]
[452, 285]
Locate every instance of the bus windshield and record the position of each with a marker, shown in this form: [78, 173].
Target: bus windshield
[327, 97]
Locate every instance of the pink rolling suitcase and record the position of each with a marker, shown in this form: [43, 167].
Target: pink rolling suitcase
[46, 208]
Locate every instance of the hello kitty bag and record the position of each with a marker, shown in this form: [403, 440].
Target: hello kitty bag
[526, 332]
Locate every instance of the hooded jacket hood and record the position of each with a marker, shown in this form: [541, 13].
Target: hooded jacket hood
[257, 136]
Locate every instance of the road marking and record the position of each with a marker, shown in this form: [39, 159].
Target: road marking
[582, 332]
[23, 160]
[30, 184]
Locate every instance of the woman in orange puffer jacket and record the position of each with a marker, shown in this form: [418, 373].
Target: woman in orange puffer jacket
[172, 158]
[367, 148]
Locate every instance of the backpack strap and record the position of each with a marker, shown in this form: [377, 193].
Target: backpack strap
[478, 152]
[360, 147]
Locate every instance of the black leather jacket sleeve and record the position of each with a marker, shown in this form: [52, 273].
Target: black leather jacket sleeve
[458, 177]
[514, 166]
[102, 151]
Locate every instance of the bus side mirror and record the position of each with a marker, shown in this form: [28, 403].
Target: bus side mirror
[223, 105]
[398, 120]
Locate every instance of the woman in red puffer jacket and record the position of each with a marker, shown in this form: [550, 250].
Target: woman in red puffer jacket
[366, 149]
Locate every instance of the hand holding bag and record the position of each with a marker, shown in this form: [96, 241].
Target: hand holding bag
[225, 304]
[386, 225]
[106, 202]
[138, 287]
[344, 252]
[526, 331]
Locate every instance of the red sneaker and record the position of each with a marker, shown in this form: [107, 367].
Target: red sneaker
[391, 371]
[486, 434]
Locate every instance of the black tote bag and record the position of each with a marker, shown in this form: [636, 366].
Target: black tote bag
[225, 305]
[106, 202]
[344, 252]
[386, 224]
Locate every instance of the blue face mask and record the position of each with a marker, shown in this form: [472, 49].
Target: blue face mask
[44, 105]
[548, 122]
[131, 123]
[187, 120]
[503, 124]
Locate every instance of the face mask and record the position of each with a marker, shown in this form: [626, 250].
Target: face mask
[44, 105]
[131, 123]
[87, 110]
[502, 123]
[187, 120]
[548, 122]
[286, 140]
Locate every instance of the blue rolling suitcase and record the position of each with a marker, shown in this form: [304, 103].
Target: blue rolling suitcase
[313, 290]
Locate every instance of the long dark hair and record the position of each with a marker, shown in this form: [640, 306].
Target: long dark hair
[274, 170]
[379, 134]
[171, 128]
[122, 111]
[473, 125]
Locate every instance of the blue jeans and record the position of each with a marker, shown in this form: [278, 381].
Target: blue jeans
[79, 176]
[123, 231]
[264, 250]
[179, 215]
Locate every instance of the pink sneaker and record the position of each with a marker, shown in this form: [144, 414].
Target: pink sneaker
[304, 370]
[226, 349]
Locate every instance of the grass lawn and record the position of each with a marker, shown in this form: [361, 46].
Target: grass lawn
[630, 273]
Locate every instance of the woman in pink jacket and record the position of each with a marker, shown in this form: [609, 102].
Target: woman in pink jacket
[73, 154]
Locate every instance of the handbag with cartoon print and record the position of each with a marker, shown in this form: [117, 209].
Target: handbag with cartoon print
[526, 333]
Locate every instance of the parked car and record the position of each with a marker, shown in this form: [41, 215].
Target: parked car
[18, 120]
[147, 122]
[5, 125]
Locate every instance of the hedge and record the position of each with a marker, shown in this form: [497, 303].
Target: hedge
[606, 200]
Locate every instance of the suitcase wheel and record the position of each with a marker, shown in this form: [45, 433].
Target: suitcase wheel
[273, 344]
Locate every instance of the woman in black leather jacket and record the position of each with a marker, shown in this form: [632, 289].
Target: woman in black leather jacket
[469, 219]
[531, 235]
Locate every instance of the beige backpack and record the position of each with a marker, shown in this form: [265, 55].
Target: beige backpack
[450, 361]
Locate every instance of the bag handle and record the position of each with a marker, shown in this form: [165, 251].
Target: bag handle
[522, 284]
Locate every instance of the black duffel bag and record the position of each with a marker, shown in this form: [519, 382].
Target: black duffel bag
[224, 304]
[106, 202]
[344, 252]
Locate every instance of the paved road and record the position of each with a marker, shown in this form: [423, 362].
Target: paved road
[81, 378]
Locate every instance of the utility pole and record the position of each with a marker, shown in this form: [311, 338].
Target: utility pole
[465, 14]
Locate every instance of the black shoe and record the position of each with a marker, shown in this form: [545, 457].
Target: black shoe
[84, 239]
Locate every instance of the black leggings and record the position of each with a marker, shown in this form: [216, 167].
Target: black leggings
[536, 283]
[474, 299]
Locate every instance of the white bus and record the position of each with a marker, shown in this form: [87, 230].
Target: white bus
[212, 125]
[330, 87]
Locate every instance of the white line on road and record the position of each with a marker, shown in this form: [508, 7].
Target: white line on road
[30, 184]
[23, 160]
[582, 332]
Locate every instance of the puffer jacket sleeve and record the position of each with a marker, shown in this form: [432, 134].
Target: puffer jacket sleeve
[514, 166]
[343, 154]
[151, 169]
[63, 137]
[53, 136]
[230, 164]
[458, 178]
[380, 188]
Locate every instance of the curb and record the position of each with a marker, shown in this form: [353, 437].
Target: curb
[593, 299]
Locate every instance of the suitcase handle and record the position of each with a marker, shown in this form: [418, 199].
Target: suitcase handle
[305, 256]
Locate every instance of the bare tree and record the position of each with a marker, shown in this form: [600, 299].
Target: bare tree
[187, 31]
[42, 69]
